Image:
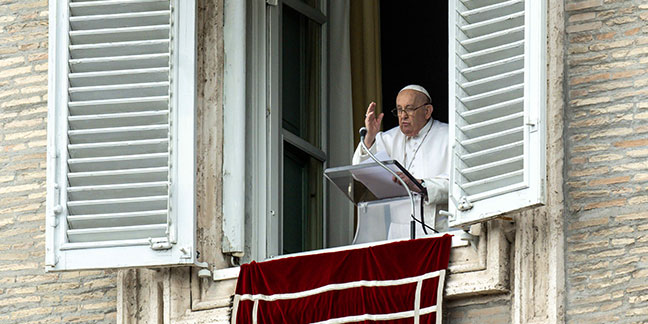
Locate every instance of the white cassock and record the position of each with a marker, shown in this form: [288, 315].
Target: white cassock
[426, 157]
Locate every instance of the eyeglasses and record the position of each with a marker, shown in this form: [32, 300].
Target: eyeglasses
[409, 111]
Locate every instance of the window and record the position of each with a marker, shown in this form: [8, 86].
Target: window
[120, 182]
[301, 157]
[496, 72]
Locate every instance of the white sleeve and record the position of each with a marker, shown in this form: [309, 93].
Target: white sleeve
[437, 190]
[360, 155]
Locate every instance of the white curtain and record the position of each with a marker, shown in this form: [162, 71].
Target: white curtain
[340, 221]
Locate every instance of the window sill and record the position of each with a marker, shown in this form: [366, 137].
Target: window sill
[473, 271]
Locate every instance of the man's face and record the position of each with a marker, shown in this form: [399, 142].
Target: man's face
[411, 124]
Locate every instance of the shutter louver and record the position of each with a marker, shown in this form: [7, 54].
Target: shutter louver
[490, 69]
[119, 135]
[119, 51]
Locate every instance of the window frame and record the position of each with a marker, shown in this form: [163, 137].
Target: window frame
[263, 204]
[276, 134]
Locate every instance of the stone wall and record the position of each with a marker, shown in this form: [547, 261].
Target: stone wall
[606, 150]
[27, 293]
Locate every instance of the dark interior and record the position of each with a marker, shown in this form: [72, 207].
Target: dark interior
[414, 49]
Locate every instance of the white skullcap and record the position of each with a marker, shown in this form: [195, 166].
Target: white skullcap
[418, 88]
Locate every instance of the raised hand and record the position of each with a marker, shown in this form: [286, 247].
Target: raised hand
[372, 123]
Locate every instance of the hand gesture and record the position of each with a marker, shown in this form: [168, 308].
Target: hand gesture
[372, 123]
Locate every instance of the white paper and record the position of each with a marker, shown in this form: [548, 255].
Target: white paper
[378, 180]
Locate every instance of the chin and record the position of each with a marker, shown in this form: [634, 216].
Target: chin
[407, 131]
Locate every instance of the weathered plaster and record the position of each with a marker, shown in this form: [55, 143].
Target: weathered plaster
[170, 295]
[539, 244]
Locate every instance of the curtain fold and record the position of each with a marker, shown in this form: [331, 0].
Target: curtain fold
[366, 73]
[339, 219]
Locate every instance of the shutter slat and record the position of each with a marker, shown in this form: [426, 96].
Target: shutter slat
[123, 205]
[120, 63]
[118, 176]
[129, 190]
[493, 68]
[493, 125]
[118, 77]
[497, 110]
[494, 82]
[489, 170]
[117, 233]
[109, 106]
[493, 40]
[119, 49]
[493, 54]
[119, 119]
[118, 219]
[132, 90]
[496, 185]
[119, 162]
[486, 12]
[493, 97]
[118, 148]
[472, 4]
[493, 154]
[493, 140]
[88, 8]
[493, 25]
[124, 34]
[129, 19]
[118, 134]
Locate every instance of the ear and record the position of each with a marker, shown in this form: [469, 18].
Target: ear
[430, 109]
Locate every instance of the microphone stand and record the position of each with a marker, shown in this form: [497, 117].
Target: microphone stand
[363, 133]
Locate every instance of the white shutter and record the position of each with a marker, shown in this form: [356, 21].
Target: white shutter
[121, 134]
[497, 103]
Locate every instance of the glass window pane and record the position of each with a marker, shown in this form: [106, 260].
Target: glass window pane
[312, 3]
[301, 72]
[302, 201]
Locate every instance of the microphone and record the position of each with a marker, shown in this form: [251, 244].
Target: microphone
[363, 132]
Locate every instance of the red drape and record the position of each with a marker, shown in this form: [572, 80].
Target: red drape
[379, 280]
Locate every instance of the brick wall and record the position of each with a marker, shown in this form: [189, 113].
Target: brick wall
[27, 293]
[606, 150]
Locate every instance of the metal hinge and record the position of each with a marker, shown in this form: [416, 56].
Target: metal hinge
[204, 271]
[272, 2]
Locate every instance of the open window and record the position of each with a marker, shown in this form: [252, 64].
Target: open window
[120, 172]
[486, 78]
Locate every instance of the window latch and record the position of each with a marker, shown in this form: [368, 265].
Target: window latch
[159, 244]
[450, 216]
[464, 204]
[532, 123]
